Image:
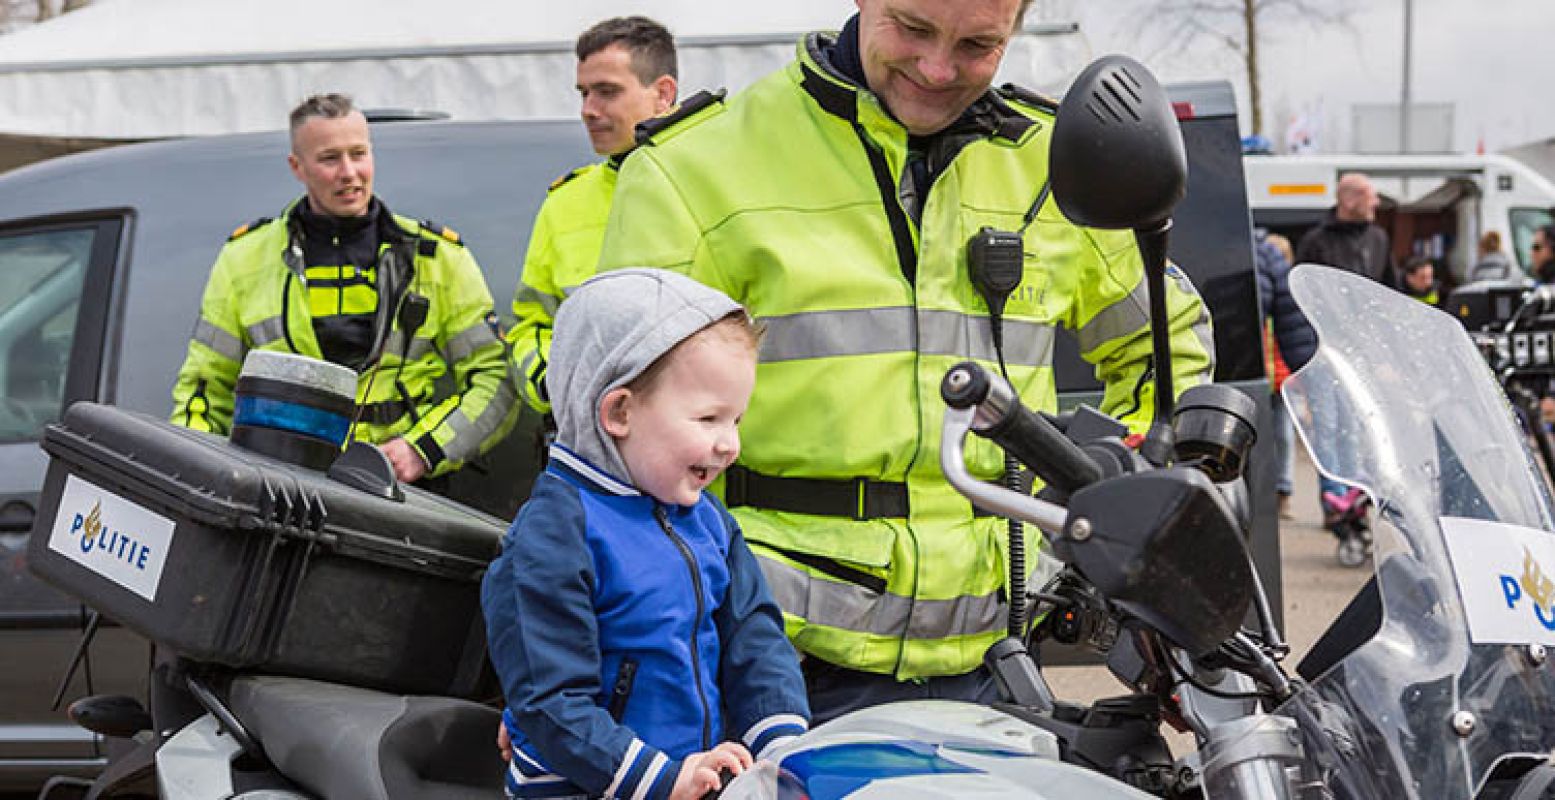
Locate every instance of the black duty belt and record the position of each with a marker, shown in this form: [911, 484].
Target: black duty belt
[383, 412]
[858, 498]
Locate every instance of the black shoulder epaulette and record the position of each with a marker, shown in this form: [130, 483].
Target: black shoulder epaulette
[244, 229]
[1027, 96]
[559, 182]
[649, 128]
[447, 233]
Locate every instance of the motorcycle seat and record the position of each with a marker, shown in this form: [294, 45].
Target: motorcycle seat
[348, 742]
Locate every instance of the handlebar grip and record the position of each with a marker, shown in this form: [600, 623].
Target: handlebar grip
[724, 776]
[1025, 434]
[1037, 444]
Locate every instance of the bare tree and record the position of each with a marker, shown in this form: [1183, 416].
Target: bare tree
[1239, 25]
[17, 13]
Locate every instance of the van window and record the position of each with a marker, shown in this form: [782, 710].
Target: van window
[41, 275]
[1524, 222]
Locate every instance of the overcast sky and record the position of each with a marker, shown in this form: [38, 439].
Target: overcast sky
[1492, 59]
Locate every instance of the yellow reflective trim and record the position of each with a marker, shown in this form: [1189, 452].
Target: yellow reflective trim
[1286, 189]
[329, 301]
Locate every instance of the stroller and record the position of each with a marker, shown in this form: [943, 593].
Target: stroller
[1345, 516]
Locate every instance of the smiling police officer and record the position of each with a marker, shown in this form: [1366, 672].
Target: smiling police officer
[339, 277]
[837, 199]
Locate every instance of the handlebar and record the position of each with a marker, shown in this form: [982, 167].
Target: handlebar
[988, 406]
[999, 416]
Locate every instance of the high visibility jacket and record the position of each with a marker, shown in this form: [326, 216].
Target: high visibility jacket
[786, 198]
[258, 297]
[563, 253]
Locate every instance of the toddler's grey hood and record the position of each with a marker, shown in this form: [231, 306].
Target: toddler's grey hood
[607, 332]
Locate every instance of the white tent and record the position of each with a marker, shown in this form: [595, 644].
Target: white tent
[134, 69]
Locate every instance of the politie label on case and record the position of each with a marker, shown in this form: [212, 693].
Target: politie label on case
[111, 536]
[1506, 577]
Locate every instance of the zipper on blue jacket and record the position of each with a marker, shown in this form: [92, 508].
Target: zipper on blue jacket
[622, 690]
[696, 623]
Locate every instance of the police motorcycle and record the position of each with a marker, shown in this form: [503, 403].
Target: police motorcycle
[1434, 682]
[322, 618]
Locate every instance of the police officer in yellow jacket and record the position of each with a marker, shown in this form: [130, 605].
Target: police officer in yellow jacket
[626, 74]
[338, 276]
[836, 199]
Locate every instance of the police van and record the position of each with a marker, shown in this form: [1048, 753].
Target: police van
[104, 255]
[1434, 206]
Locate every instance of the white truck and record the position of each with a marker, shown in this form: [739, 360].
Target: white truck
[1432, 205]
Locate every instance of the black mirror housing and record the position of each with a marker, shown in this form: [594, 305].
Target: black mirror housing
[1118, 159]
[1164, 547]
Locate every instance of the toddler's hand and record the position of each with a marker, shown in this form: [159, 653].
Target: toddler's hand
[504, 742]
[699, 772]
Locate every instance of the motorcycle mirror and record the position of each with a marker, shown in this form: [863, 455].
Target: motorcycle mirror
[1118, 161]
[1117, 155]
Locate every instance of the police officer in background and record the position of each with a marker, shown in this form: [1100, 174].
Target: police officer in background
[339, 277]
[838, 199]
[626, 74]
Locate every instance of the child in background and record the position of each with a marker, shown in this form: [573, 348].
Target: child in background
[626, 616]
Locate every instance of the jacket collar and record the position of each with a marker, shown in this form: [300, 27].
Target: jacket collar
[826, 59]
[396, 265]
[1351, 226]
[579, 470]
[576, 469]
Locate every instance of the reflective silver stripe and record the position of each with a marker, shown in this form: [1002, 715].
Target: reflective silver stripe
[1202, 328]
[950, 333]
[1124, 318]
[851, 607]
[266, 331]
[469, 340]
[469, 434]
[897, 329]
[225, 344]
[528, 294]
[828, 334]
[395, 342]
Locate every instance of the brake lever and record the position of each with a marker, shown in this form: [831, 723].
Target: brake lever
[1041, 513]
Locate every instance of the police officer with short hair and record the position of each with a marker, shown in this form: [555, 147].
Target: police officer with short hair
[838, 200]
[626, 74]
[337, 276]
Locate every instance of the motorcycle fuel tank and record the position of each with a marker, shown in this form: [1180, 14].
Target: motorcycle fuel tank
[923, 749]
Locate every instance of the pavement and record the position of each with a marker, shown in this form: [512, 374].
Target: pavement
[1317, 588]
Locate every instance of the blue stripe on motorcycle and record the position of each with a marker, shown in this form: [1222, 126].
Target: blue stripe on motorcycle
[832, 772]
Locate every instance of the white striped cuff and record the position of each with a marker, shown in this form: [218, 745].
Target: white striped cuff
[771, 731]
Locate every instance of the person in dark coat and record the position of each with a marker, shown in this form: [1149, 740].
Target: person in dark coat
[1349, 237]
[1295, 341]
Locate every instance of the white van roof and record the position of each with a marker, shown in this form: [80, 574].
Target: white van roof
[1309, 181]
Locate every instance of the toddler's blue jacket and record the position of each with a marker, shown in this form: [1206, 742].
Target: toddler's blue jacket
[629, 634]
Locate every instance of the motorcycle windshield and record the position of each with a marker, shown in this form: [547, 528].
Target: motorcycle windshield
[1398, 402]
